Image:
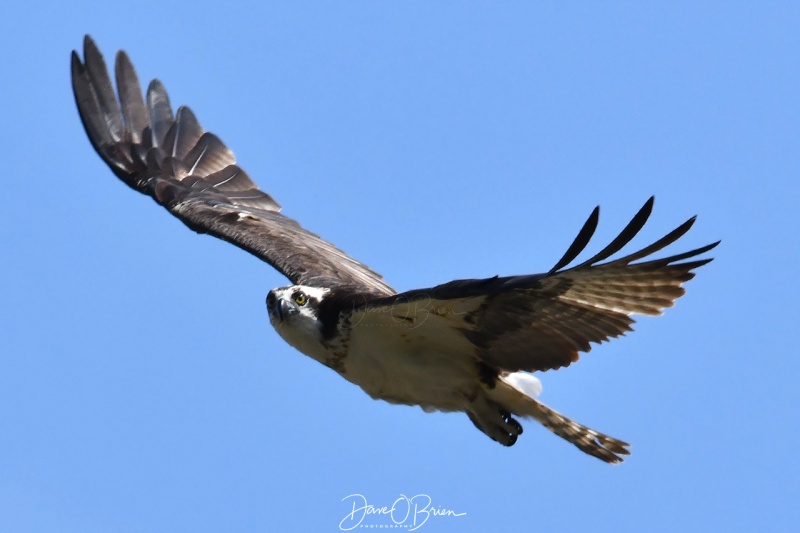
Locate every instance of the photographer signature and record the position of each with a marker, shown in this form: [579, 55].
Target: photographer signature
[409, 512]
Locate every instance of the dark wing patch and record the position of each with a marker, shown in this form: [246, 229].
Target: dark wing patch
[194, 175]
[542, 321]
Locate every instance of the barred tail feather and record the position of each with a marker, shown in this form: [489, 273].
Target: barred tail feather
[515, 401]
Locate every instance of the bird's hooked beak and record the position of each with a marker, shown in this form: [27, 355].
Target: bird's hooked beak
[278, 307]
[282, 308]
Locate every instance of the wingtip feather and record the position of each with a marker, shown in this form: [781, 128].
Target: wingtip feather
[580, 242]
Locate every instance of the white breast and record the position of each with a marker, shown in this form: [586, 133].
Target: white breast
[416, 361]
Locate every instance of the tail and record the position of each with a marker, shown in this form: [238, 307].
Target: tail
[508, 398]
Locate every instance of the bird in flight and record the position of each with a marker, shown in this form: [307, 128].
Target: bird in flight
[469, 345]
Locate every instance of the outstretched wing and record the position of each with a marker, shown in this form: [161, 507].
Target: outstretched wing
[542, 321]
[194, 175]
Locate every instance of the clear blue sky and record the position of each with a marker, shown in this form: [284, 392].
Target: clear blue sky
[143, 389]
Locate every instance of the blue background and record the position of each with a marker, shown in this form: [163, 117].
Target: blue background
[143, 389]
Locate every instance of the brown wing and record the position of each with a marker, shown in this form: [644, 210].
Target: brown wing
[194, 175]
[542, 321]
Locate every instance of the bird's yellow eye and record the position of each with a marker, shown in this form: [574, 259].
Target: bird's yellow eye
[300, 298]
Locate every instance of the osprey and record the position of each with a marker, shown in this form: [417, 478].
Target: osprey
[467, 345]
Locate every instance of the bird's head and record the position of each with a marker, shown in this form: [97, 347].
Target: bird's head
[294, 313]
[294, 305]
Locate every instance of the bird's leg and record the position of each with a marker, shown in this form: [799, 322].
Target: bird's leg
[497, 423]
